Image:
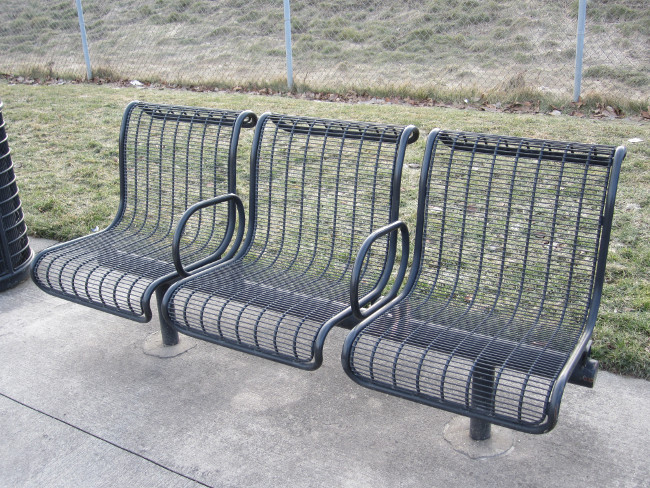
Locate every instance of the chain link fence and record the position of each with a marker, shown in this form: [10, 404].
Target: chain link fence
[412, 47]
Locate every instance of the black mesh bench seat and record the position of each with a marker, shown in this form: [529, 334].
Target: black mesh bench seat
[497, 313]
[170, 158]
[318, 188]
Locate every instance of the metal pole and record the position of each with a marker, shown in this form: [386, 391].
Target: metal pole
[169, 334]
[582, 16]
[287, 43]
[84, 41]
[483, 398]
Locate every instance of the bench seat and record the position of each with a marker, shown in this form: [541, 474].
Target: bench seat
[508, 268]
[258, 308]
[170, 158]
[318, 188]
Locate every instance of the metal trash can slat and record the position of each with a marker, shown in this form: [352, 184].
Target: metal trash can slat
[15, 253]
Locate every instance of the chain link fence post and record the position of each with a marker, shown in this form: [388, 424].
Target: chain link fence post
[84, 40]
[580, 45]
[287, 42]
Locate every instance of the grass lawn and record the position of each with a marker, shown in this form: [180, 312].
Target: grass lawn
[64, 142]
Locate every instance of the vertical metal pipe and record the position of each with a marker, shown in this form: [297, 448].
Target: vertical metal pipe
[580, 44]
[287, 43]
[84, 41]
[169, 334]
[479, 430]
[483, 398]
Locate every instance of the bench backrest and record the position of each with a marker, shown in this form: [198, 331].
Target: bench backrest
[172, 157]
[318, 188]
[518, 228]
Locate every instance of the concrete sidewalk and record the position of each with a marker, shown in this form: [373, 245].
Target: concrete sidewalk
[84, 403]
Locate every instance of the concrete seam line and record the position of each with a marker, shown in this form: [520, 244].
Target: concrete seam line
[103, 440]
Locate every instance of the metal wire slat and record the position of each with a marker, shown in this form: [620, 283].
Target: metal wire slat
[510, 246]
[318, 188]
[170, 157]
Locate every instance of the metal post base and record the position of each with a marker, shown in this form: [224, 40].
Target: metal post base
[169, 334]
[501, 443]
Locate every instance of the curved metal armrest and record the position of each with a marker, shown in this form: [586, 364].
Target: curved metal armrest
[355, 303]
[176, 243]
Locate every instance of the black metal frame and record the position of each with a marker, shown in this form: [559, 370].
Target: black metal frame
[495, 367]
[167, 154]
[15, 253]
[284, 290]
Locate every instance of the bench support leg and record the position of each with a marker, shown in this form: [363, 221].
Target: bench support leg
[483, 398]
[479, 430]
[169, 335]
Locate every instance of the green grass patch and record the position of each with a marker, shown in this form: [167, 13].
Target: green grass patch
[622, 343]
[64, 142]
[634, 78]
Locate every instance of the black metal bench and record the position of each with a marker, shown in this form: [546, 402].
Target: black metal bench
[170, 158]
[317, 189]
[498, 310]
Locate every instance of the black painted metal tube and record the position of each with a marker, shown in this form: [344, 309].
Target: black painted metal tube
[482, 397]
[169, 334]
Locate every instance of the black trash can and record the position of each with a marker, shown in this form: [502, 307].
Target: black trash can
[15, 253]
